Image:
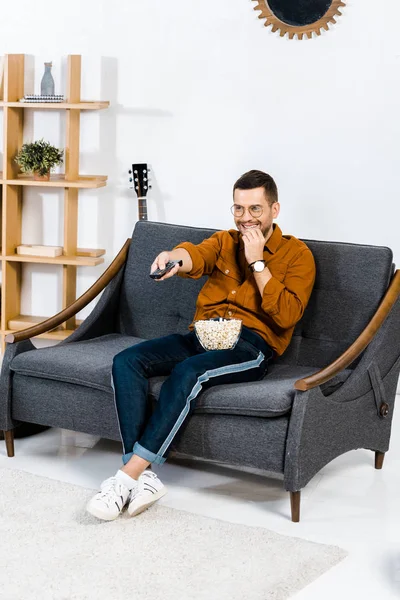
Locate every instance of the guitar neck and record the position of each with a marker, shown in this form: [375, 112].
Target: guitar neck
[142, 208]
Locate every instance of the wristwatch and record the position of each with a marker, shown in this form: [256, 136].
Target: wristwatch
[257, 266]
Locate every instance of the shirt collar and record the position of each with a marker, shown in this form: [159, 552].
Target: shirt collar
[273, 243]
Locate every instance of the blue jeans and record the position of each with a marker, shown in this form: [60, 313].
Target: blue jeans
[190, 369]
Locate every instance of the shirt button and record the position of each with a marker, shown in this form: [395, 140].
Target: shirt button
[227, 271]
[230, 313]
[233, 291]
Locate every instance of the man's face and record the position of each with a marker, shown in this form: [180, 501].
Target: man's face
[255, 199]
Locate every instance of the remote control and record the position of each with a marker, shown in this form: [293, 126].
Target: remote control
[158, 273]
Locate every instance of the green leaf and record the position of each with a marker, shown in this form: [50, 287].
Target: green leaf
[38, 156]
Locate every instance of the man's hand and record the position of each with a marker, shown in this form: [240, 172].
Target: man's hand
[160, 262]
[254, 243]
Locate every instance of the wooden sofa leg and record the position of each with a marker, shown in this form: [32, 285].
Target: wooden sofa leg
[9, 437]
[379, 456]
[295, 506]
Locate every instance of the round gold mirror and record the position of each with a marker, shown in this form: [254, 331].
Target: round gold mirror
[300, 18]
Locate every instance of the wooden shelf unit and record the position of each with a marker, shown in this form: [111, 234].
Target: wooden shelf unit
[13, 183]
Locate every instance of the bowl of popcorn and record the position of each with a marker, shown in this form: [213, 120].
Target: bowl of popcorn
[218, 334]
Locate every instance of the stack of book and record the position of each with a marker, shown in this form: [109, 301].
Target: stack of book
[42, 98]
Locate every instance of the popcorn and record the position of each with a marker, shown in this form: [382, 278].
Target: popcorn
[218, 334]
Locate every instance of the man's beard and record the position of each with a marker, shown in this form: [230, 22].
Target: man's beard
[268, 231]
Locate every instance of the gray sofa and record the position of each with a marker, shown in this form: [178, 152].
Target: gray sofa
[332, 391]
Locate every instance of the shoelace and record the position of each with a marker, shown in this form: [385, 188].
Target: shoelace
[108, 490]
[142, 480]
[150, 474]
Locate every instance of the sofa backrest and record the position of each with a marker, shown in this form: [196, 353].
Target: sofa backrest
[351, 280]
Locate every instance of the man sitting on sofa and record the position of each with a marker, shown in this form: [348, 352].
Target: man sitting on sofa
[257, 275]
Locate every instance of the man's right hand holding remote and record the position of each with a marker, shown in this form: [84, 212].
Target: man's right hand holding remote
[164, 257]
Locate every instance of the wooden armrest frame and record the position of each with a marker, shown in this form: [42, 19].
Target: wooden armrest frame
[76, 306]
[393, 291]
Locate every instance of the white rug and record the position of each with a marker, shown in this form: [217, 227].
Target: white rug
[52, 550]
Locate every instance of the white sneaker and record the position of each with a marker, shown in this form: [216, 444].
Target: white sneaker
[149, 490]
[109, 502]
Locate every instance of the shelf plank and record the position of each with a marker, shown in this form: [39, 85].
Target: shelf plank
[84, 181]
[78, 261]
[84, 105]
[61, 176]
[58, 335]
[21, 322]
[24, 176]
[29, 178]
[80, 252]
[24, 321]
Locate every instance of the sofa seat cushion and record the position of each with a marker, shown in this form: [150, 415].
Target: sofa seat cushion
[270, 397]
[89, 363]
[85, 363]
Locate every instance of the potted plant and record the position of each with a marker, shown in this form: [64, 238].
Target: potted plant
[38, 158]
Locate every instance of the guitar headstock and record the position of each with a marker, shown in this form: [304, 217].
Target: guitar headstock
[140, 180]
[139, 177]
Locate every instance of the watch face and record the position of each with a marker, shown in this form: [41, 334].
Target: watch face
[259, 266]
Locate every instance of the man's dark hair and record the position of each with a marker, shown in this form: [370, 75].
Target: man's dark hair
[254, 179]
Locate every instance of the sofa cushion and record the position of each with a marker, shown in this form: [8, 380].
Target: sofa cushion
[150, 310]
[85, 363]
[89, 363]
[270, 397]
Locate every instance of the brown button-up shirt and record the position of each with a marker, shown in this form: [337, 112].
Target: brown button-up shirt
[231, 291]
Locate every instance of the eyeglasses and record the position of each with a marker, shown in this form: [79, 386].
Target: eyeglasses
[238, 211]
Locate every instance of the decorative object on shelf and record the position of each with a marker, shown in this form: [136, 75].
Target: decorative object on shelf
[303, 17]
[47, 83]
[38, 250]
[139, 176]
[38, 158]
[39, 98]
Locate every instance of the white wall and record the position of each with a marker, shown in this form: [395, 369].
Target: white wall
[203, 92]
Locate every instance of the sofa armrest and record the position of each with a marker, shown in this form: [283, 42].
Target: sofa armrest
[363, 340]
[76, 306]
